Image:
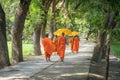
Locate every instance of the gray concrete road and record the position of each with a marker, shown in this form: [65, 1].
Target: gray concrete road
[75, 66]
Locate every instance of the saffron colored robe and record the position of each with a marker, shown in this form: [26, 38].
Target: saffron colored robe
[61, 46]
[71, 43]
[76, 44]
[49, 47]
[55, 41]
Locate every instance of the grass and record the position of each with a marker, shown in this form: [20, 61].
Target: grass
[116, 49]
[27, 49]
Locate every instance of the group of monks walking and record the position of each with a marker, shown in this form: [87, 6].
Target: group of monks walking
[58, 44]
[74, 43]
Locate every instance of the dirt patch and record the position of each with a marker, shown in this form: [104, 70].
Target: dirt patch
[97, 70]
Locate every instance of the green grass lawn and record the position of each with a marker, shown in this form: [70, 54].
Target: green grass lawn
[116, 49]
[27, 49]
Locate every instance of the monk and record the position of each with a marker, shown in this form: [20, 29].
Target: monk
[48, 47]
[71, 43]
[76, 44]
[55, 41]
[61, 47]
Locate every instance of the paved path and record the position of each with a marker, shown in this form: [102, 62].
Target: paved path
[74, 67]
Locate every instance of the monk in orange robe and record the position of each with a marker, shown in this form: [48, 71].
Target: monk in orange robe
[71, 43]
[48, 47]
[61, 47]
[55, 41]
[76, 44]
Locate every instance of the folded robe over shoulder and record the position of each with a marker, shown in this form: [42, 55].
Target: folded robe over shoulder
[49, 47]
[55, 41]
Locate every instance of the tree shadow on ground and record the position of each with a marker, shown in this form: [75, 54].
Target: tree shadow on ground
[97, 70]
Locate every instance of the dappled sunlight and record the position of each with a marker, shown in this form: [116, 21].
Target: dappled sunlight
[83, 49]
[96, 75]
[80, 55]
[72, 74]
[88, 44]
[67, 66]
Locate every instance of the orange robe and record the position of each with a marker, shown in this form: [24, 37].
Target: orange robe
[48, 47]
[55, 41]
[61, 46]
[71, 43]
[76, 44]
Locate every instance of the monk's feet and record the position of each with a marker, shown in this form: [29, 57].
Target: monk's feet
[72, 51]
[62, 60]
[48, 60]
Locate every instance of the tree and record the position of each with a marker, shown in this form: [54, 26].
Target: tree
[9, 8]
[4, 57]
[108, 25]
[104, 39]
[42, 7]
[17, 30]
[53, 14]
[34, 22]
[39, 31]
[45, 5]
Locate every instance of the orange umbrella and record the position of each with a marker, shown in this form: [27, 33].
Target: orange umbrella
[62, 30]
[75, 33]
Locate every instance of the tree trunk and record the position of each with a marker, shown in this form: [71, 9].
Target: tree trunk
[45, 7]
[104, 48]
[112, 24]
[108, 40]
[17, 30]
[46, 4]
[102, 38]
[36, 41]
[98, 51]
[40, 32]
[52, 21]
[43, 27]
[88, 34]
[52, 28]
[54, 13]
[4, 57]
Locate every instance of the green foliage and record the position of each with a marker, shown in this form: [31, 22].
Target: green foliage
[115, 46]
[33, 20]
[114, 4]
[80, 15]
[10, 9]
[116, 34]
[88, 17]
